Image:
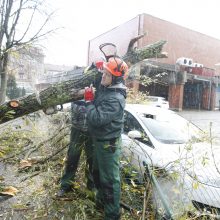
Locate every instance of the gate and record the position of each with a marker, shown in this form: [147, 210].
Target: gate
[192, 97]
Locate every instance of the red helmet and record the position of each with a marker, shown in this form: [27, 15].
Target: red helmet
[116, 66]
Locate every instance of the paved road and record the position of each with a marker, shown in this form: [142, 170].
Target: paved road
[203, 119]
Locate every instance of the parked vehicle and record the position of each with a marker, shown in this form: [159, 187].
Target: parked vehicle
[157, 101]
[189, 164]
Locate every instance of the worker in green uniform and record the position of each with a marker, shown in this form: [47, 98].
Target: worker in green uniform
[79, 139]
[105, 122]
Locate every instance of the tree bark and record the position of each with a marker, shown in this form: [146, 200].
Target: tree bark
[3, 77]
[71, 90]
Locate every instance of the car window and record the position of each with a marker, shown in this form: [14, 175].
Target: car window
[170, 128]
[131, 124]
[164, 132]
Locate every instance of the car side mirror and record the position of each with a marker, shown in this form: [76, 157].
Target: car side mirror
[134, 134]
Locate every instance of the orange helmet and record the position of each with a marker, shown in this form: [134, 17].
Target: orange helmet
[116, 66]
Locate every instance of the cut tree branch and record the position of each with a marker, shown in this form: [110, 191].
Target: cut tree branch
[71, 90]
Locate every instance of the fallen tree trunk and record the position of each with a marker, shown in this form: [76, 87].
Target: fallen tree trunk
[72, 90]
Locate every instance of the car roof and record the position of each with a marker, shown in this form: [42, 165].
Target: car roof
[146, 109]
[155, 97]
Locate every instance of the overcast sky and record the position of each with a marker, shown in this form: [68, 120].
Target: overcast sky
[85, 19]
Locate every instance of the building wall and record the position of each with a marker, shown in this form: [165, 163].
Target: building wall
[176, 97]
[181, 41]
[120, 36]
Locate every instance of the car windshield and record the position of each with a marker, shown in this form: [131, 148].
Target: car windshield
[171, 128]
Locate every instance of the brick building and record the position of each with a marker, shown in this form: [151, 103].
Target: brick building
[188, 87]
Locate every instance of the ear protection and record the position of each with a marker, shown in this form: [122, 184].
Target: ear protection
[119, 67]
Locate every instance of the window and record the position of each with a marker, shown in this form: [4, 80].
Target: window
[21, 75]
[131, 124]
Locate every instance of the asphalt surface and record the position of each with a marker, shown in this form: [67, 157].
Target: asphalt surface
[206, 120]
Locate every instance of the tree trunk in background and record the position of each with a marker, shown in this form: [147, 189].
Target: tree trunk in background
[3, 71]
[71, 90]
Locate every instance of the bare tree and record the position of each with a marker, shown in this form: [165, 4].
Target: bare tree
[18, 29]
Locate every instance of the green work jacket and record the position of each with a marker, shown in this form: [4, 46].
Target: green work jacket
[106, 115]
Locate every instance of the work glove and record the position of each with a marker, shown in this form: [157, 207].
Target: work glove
[99, 65]
[89, 94]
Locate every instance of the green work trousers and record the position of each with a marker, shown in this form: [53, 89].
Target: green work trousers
[106, 175]
[79, 140]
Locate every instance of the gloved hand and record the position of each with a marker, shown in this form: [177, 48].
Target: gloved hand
[99, 65]
[89, 94]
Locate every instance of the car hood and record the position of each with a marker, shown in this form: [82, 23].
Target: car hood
[199, 160]
[194, 158]
[194, 168]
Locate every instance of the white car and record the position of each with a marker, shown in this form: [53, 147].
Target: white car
[157, 101]
[165, 140]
